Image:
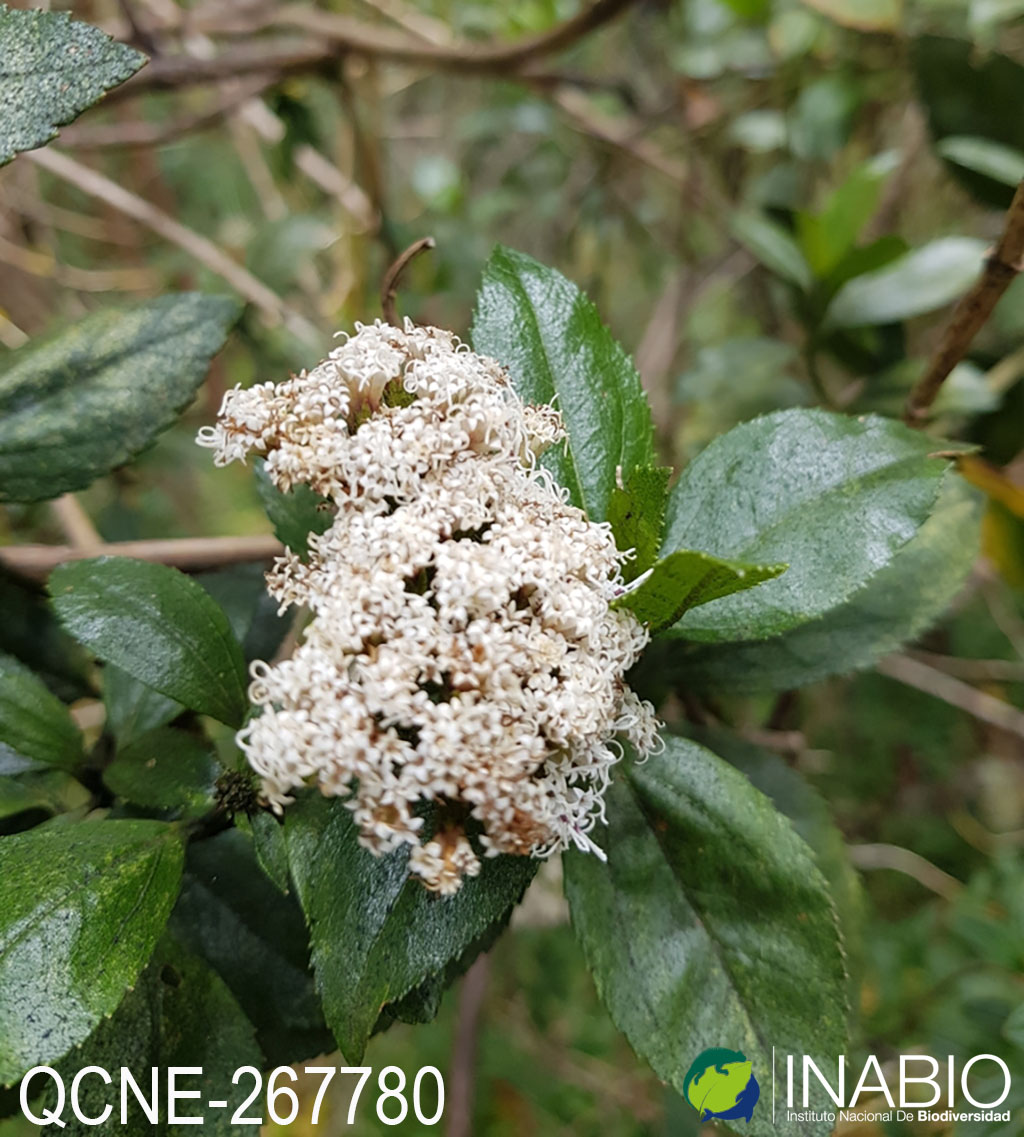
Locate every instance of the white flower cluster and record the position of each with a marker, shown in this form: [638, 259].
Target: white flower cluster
[461, 650]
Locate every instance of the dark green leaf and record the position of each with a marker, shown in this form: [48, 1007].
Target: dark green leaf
[773, 246]
[255, 938]
[710, 925]
[51, 791]
[180, 1013]
[75, 405]
[35, 726]
[923, 280]
[51, 69]
[165, 769]
[376, 933]
[686, 579]
[834, 497]
[132, 707]
[636, 513]
[550, 337]
[896, 606]
[295, 514]
[29, 631]
[271, 849]
[81, 908]
[242, 592]
[159, 626]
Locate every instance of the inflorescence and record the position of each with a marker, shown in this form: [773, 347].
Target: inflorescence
[462, 649]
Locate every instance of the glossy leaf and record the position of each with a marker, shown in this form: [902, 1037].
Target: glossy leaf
[81, 908]
[725, 933]
[165, 769]
[832, 496]
[89, 398]
[549, 336]
[51, 69]
[159, 626]
[35, 726]
[180, 1013]
[923, 280]
[132, 707]
[376, 933]
[686, 579]
[252, 612]
[295, 514]
[897, 605]
[636, 513]
[773, 246]
[255, 939]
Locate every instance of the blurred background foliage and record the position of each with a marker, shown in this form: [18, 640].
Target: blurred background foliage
[773, 203]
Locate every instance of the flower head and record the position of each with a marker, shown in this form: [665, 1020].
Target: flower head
[462, 649]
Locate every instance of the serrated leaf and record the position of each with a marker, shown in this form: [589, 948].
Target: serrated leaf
[159, 626]
[75, 405]
[294, 515]
[180, 1013]
[35, 726]
[896, 606]
[636, 513]
[51, 69]
[686, 579]
[81, 908]
[834, 497]
[254, 937]
[549, 336]
[376, 933]
[165, 769]
[725, 932]
[921, 281]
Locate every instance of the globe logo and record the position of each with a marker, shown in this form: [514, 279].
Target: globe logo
[720, 1085]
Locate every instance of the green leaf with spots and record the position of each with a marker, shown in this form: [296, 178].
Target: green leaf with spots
[725, 929]
[51, 69]
[158, 625]
[81, 909]
[686, 579]
[35, 726]
[376, 932]
[89, 398]
[165, 769]
[636, 513]
[549, 336]
[834, 497]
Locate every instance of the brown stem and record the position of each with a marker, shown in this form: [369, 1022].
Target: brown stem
[191, 554]
[389, 285]
[462, 1074]
[974, 308]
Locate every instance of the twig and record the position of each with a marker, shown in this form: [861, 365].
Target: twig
[274, 309]
[76, 525]
[978, 704]
[389, 286]
[191, 554]
[973, 670]
[81, 279]
[906, 861]
[973, 309]
[462, 1073]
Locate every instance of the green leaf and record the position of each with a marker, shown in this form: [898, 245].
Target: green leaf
[686, 579]
[376, 933]
[255, 939]
[925, 279]
[242, 592]
[52, 791]
[77, 404]
[132, 707]
[717, 1089]
[549, 336]
[180, 1013]
[165, 769]
[51, 69]
[35, 726]
[1000, 163]
[725, 933]
[897, 605]
[270, 847]
[81, 908]
[828, 236]
[834, 497]
[636, 513]
[159, 626]
[773, 246]
[295, 514]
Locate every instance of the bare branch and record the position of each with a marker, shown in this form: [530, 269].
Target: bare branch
[908, 862]
[973, 309]
[389, 286]
[462, 1074]
[273, 308]
[191, 554]
[76, 525]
